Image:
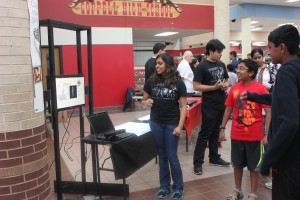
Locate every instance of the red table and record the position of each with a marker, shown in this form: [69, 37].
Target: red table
[193, 117]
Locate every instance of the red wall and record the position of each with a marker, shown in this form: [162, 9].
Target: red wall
[192, 17]
[195, 51]
[113, 71]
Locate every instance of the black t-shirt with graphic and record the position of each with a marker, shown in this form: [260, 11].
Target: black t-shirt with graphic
[165, 108]
[208, 73]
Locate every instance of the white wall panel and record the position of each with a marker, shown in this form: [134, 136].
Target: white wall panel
[197, 39]
[141, 57]
[255, 36]
[99, 36]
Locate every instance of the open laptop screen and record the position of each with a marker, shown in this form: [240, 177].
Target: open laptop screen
[101, 122]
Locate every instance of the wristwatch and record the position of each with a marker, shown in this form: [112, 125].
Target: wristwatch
[222, 127]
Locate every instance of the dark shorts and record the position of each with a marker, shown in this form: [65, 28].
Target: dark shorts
[246, 154]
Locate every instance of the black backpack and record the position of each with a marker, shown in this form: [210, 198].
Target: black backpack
[128, 98]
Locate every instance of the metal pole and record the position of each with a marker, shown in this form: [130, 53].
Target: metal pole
[54, 111]
[81, 113]
[91, 100]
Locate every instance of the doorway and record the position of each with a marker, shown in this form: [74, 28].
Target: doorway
[62, 115]
[46, 64]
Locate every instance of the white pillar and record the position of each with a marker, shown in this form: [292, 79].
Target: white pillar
[246, 36]
[222, 26]
[24, 171]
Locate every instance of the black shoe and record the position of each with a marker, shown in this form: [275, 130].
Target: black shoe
[198, 169]
[220, 162]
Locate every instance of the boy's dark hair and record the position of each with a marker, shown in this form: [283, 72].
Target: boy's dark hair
[199, 58]
[233, 53]
[205, 53]
[257, 50]
[252, 66]
[214, 45]
[230, 67]
[157, 47]
[288, 35]
[194, 60]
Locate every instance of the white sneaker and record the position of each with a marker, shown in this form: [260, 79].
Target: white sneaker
[269, 185]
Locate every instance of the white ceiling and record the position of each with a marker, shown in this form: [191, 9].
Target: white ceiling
[266, 2]
[267, 24]
[146, 34]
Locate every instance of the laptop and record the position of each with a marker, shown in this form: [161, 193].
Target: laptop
[104, 128]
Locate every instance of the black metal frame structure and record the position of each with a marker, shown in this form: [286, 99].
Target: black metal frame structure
[51, 24]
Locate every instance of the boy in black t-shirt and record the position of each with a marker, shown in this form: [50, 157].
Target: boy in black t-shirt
[158, 48]
[211, 78]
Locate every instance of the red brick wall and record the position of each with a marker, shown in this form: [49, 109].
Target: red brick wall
[24, 165]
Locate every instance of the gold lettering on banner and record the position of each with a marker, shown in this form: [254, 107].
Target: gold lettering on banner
[125, 8]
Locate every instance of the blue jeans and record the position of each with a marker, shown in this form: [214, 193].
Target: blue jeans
[166, 147]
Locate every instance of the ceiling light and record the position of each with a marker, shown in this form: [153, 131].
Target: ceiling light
[254, 22]
[166, 34]
[256, 29]
[259, 44]
[234, 43]
[291, 1]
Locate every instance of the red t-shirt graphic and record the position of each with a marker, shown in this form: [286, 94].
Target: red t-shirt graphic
[247, 119]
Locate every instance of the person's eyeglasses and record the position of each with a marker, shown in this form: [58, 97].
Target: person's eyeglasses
[242, 69]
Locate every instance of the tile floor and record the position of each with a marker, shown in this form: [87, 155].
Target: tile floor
[215, 183]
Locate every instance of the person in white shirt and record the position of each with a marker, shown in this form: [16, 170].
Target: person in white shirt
[233, 79]
[186, 73]
[263, 75]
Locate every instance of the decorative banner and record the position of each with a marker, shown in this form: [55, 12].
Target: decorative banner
[127, 8]
[36, 55]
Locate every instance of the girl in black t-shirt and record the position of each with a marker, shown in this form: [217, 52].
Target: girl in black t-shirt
[165, 93]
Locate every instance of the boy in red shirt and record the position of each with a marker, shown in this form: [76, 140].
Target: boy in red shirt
[247, 127]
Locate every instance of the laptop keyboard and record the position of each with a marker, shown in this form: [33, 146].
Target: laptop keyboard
[113, 132]
[123, 135]
[100, 137]
[116, 137]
